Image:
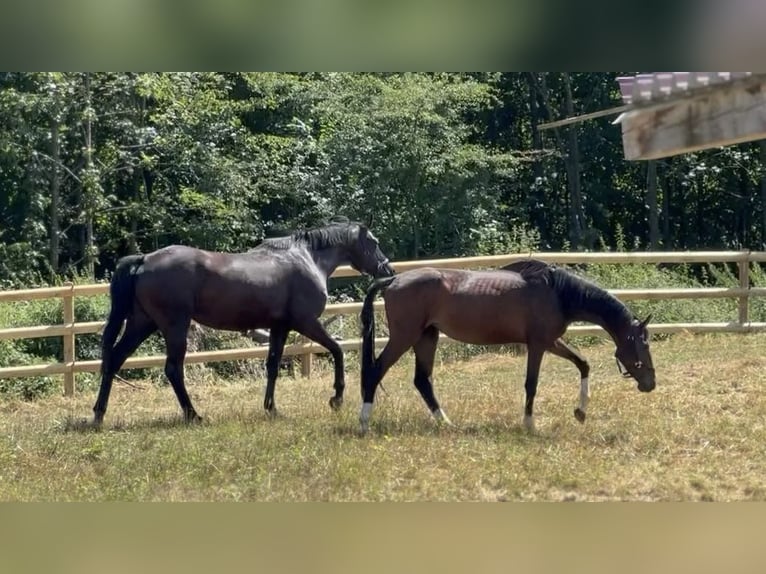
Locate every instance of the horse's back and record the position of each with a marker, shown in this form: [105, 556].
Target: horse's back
[183, 261]
[234, 291]
[177, 272]
[481, 307]
[175, 257]
[416, 278]
[459, 281]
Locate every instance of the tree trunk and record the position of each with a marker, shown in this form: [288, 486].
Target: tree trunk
[415, 238]
[536, 215]
[744, 214]
[666, 240]
[89, 182]
[132, 213]
[700, 219]
[55, 229]
[542, 87]
[651, 200]
[132, 243]
[763, 194]
[534, 112]
[576, 214]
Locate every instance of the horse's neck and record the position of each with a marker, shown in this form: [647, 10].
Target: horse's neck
[606, 312]
[329, 259]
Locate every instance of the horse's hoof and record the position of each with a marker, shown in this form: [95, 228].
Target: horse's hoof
[193, 419]
[579, 414]
[83, 424]
[336, 403]
[529, 424]
[441, 418]
[272, 413]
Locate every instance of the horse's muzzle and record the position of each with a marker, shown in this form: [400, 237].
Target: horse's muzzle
[384, 269]
[644, 377]
[647, 386]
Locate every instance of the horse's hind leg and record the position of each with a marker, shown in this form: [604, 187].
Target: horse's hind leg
[535, 354]
[315, 331]
[397, 345]
[561, 349]
[137, 330]
[425, 351]
[175, 341]
[277, 339]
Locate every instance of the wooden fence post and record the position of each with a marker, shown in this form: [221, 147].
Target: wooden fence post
[69, 341]
[744, 283]
[306, 363]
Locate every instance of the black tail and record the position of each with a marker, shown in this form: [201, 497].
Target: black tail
[368, 326]
[121, 291]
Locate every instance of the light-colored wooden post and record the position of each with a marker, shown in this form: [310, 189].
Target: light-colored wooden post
[744, 283]
[69, 341]
[306, 363]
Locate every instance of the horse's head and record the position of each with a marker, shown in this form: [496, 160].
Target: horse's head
[365, 254]
[633, 356]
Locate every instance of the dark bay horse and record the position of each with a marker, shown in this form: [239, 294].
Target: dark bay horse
[280, 285]
[529, 302]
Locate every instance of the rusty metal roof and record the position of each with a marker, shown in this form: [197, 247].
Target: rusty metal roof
[656, 88]
[644, 88]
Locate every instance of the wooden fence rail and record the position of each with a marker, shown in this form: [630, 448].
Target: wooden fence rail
[71, 328]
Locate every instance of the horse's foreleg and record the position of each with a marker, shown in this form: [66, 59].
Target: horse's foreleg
[425, 351]
[315, 331]
[534, 358]
[277, 339]
[561, 349]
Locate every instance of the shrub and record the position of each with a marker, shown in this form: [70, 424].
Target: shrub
[27, 388]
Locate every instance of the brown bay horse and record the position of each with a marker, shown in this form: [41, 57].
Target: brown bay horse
[529, 302]
[280, 285]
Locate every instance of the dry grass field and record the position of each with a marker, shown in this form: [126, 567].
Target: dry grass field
[701, 435]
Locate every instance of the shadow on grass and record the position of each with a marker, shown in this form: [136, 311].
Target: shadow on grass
[491, 430]
[495, 430]
[82, 425]
[175, 421]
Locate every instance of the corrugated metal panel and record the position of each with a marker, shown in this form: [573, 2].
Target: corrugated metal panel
[659, 85]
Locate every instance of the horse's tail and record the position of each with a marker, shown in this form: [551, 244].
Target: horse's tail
[368, 326]
[122, 290]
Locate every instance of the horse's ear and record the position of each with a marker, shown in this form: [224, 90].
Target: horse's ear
[370, 219]
[645, 322]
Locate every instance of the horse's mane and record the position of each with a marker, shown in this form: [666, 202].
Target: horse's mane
[576, 294]
[338, 232]
[532, 270]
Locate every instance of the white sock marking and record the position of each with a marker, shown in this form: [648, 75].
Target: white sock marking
[364, 416]
[441, 416]
[584, 394]
[529, 422]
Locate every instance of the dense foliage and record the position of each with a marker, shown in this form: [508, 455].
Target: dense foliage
[96, 165]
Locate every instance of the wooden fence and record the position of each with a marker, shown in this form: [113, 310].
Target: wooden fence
[71, 328]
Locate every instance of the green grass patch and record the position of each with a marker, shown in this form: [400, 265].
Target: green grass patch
[698, 436]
